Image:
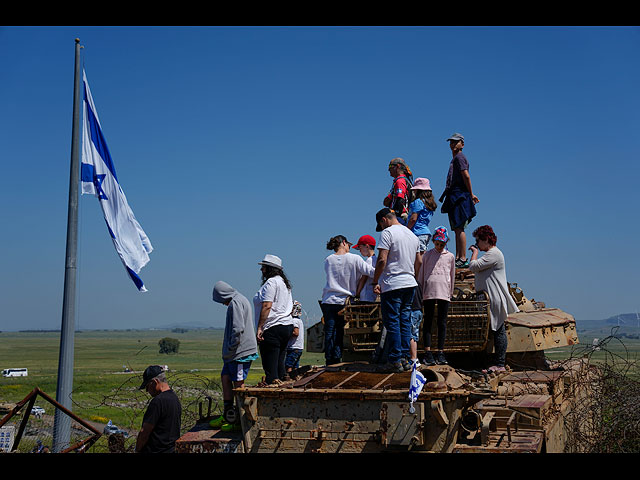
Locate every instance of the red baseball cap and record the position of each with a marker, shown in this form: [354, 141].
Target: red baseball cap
[365, 240]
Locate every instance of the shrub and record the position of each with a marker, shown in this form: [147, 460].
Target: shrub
[169, 345]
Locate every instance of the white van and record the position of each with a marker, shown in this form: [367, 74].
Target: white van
[14, 372]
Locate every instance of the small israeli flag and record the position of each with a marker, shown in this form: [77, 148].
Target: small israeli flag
[98, 176]
[417, 382]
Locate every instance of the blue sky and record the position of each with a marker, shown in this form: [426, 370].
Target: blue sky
[233, 142]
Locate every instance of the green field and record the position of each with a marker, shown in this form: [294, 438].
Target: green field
[618, 347]
[102, 391]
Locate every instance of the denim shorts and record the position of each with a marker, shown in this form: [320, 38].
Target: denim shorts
[462, 226]
[424, 241]
[238, 371]
[293, 358]
[416, 319]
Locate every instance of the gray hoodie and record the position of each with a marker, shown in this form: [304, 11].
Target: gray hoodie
[239, 335]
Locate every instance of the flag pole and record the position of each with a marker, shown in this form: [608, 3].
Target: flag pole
[62, 422]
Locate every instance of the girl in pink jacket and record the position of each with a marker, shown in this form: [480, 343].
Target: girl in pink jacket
[437, 279]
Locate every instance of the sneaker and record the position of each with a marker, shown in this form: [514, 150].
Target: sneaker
[406, 364]
[217, 422]
[440, 360]
[459, 263]
[230, 427]
[393, 367]
[428, 359]
[494, 369]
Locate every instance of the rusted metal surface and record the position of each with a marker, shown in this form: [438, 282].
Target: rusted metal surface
[204, 439]
[78, 447]
[540, 330]
[351, 407]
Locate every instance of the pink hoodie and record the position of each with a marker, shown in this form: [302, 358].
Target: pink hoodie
[437, 275]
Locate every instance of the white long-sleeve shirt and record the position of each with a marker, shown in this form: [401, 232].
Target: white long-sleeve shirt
[491, 277]
[343, 272]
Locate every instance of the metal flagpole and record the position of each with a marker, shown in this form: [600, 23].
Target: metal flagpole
[62, 422]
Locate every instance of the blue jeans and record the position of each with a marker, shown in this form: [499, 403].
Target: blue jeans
[500, 344]
[416, 320]
[293, 358]
[333, 332]
[396, 318]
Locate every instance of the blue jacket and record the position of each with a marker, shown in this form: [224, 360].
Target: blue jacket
[459, 205]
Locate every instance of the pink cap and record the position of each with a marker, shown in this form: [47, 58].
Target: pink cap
[421, 184]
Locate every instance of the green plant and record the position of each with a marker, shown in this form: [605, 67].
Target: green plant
[169, 345]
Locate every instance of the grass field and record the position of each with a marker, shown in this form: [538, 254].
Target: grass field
[102, 390]
[615, 348]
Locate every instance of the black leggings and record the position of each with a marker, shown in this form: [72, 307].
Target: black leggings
[273, 350]
[443, 309]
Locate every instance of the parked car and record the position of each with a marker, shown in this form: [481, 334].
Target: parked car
[111, 429]
[37, 411]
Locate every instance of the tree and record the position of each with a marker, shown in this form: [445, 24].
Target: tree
[169, 345]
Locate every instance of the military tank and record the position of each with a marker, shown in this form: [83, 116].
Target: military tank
[356, 407]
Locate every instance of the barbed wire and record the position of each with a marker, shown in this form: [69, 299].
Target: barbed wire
[192, 388]
[605, 415]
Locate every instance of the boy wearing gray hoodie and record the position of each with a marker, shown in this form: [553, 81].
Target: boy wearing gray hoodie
[239, 348]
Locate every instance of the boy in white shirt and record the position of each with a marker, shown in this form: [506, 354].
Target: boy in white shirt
[367, 246]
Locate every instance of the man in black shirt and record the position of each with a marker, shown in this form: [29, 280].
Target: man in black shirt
[161, 421]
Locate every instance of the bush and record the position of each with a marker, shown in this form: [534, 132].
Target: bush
[169, 345]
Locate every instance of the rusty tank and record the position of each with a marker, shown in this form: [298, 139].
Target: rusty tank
[356, 407]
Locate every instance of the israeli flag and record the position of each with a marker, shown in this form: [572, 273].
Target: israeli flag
[417, 382]
[98, 176]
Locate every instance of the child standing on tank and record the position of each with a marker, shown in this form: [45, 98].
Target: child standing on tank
[421, 211]
[437, 279]
[416, 320]
[367, 247]
[296, 343]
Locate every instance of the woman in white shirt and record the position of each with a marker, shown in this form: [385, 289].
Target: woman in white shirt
[343, 270]
[491, 277]
[273, 305]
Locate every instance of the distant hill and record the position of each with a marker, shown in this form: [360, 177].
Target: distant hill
[628, 319]
[188, 326]
[628, 327]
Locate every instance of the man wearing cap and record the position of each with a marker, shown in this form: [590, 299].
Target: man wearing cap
[459, 200]
[398, 260]
[367, 246]
[162, 420]
[398, 197]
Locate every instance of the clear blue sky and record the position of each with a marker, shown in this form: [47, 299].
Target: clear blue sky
[233, 142]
